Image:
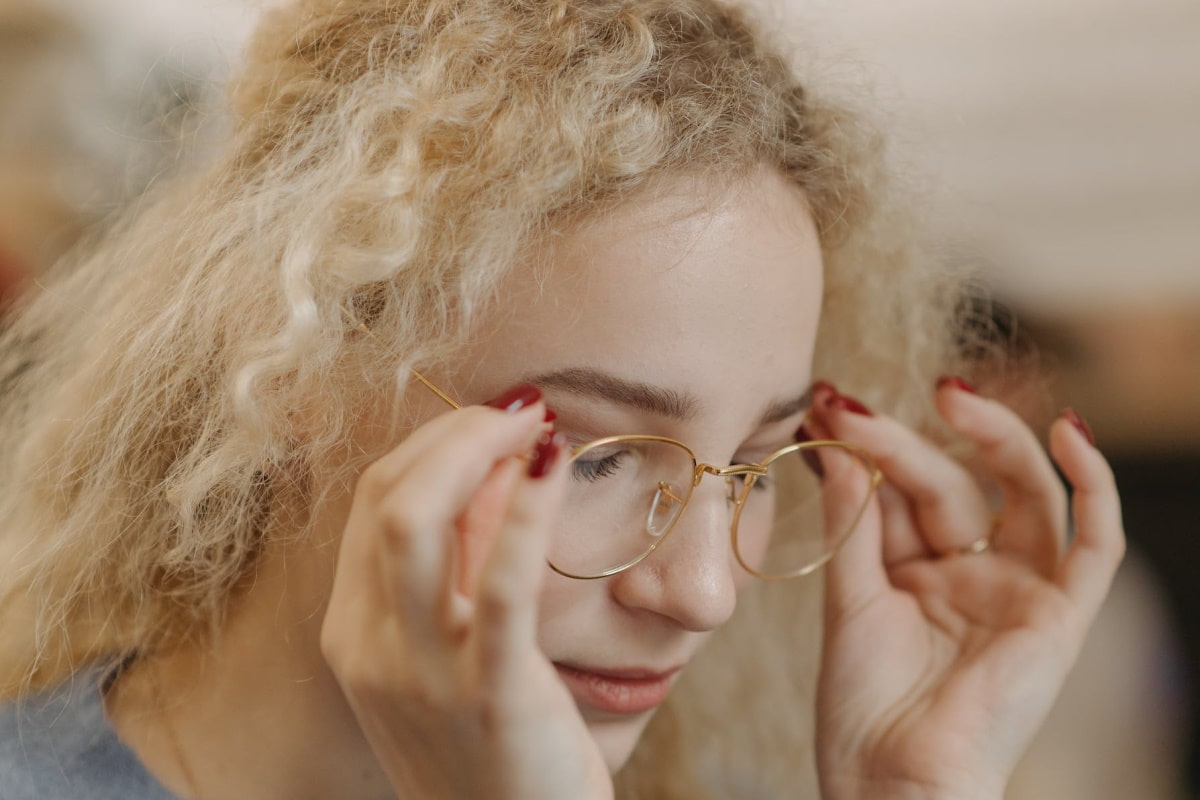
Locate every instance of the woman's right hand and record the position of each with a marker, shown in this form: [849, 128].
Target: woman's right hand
[431, 625]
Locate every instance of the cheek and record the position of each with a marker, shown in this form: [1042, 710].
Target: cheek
[568, 610]
[752, 547]
[741, 578]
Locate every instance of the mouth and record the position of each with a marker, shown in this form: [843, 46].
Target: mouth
[618, 691]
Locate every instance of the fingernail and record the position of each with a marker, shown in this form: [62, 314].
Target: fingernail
[823, 392]
[823, 386]
[848, 403]
[810, 456]
[550, 414]
[957, 382]
[546, 454]
[1072, 416]
[516, 398]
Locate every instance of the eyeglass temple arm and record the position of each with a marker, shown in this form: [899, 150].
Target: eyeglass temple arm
[430, 385]
[433, 388]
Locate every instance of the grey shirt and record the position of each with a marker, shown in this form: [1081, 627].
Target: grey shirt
[59, 746]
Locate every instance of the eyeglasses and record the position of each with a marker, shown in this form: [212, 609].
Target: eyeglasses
[628, 493]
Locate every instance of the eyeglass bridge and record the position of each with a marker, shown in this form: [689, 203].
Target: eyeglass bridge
[668, 497]
[726, 472]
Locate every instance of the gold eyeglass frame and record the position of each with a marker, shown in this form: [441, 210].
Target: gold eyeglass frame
[699, 469]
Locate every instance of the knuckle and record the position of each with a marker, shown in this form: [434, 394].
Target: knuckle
[471, 421]
[525, 514]
[373, 482]
[364, 672]
[400, 522]
[360, 675]
[496, 711]
[332, 644]
[484, 422]
[496, 600]
[344, 656]
[889, 451]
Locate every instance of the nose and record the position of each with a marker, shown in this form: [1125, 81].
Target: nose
[691, 578]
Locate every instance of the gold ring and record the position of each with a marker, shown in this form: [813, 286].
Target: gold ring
[980, 545]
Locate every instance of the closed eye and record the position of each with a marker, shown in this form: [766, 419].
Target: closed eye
[762, 484]
[592, 470]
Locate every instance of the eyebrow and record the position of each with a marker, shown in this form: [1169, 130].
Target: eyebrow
[606, 386]
[648, 397]
[782, 409]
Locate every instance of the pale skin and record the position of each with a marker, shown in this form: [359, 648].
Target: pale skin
[421, 661]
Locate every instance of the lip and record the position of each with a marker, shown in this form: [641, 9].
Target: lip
[633, 690]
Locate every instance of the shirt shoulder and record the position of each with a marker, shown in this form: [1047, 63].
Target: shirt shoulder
[58, 745]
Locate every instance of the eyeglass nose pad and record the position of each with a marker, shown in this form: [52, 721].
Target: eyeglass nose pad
[663, 509]
[732, 495]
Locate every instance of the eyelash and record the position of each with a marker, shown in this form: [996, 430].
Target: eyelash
[593, 471]
[761, 485]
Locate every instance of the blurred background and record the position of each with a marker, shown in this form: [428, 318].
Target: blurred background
[98, 98]
[1061, 140]
[1058, 143]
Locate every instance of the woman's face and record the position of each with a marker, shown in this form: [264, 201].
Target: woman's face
[703, 295]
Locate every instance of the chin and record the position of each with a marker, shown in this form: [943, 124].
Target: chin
[617, 738]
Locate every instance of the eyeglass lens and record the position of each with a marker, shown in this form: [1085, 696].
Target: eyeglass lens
[625, 496]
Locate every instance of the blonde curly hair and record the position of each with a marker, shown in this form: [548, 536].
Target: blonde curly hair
[397, 159]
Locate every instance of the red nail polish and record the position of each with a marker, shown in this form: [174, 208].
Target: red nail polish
[823, 386]
[516, 398]
[957, 382]
[847, 403]
[810, 456]
[550, 414]
[1072, 416]
[545, 455]
[823, 392]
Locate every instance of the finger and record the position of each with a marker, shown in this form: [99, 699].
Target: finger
[378, 479]
[902, 540]
[855, 575]
[948, 507]
[1033, 526]
[1099, 543]
[434, 477]
[476, 528]
[509, 586]
[475, 532]
[412, 537]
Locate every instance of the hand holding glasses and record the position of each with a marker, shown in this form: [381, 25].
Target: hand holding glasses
[629, 492]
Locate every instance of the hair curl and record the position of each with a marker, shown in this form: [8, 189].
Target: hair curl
[397, 159]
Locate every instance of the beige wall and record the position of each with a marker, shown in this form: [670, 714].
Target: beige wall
[1064, 139]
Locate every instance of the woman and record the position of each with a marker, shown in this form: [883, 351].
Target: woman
[260, 551]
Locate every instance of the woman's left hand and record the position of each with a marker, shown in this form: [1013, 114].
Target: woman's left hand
[940, 661]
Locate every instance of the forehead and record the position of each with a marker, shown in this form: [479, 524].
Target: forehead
[691, 284]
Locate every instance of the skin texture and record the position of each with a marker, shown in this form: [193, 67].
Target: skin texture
[683, 297]
[409, 647]
[977, 645]
[682, 286]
